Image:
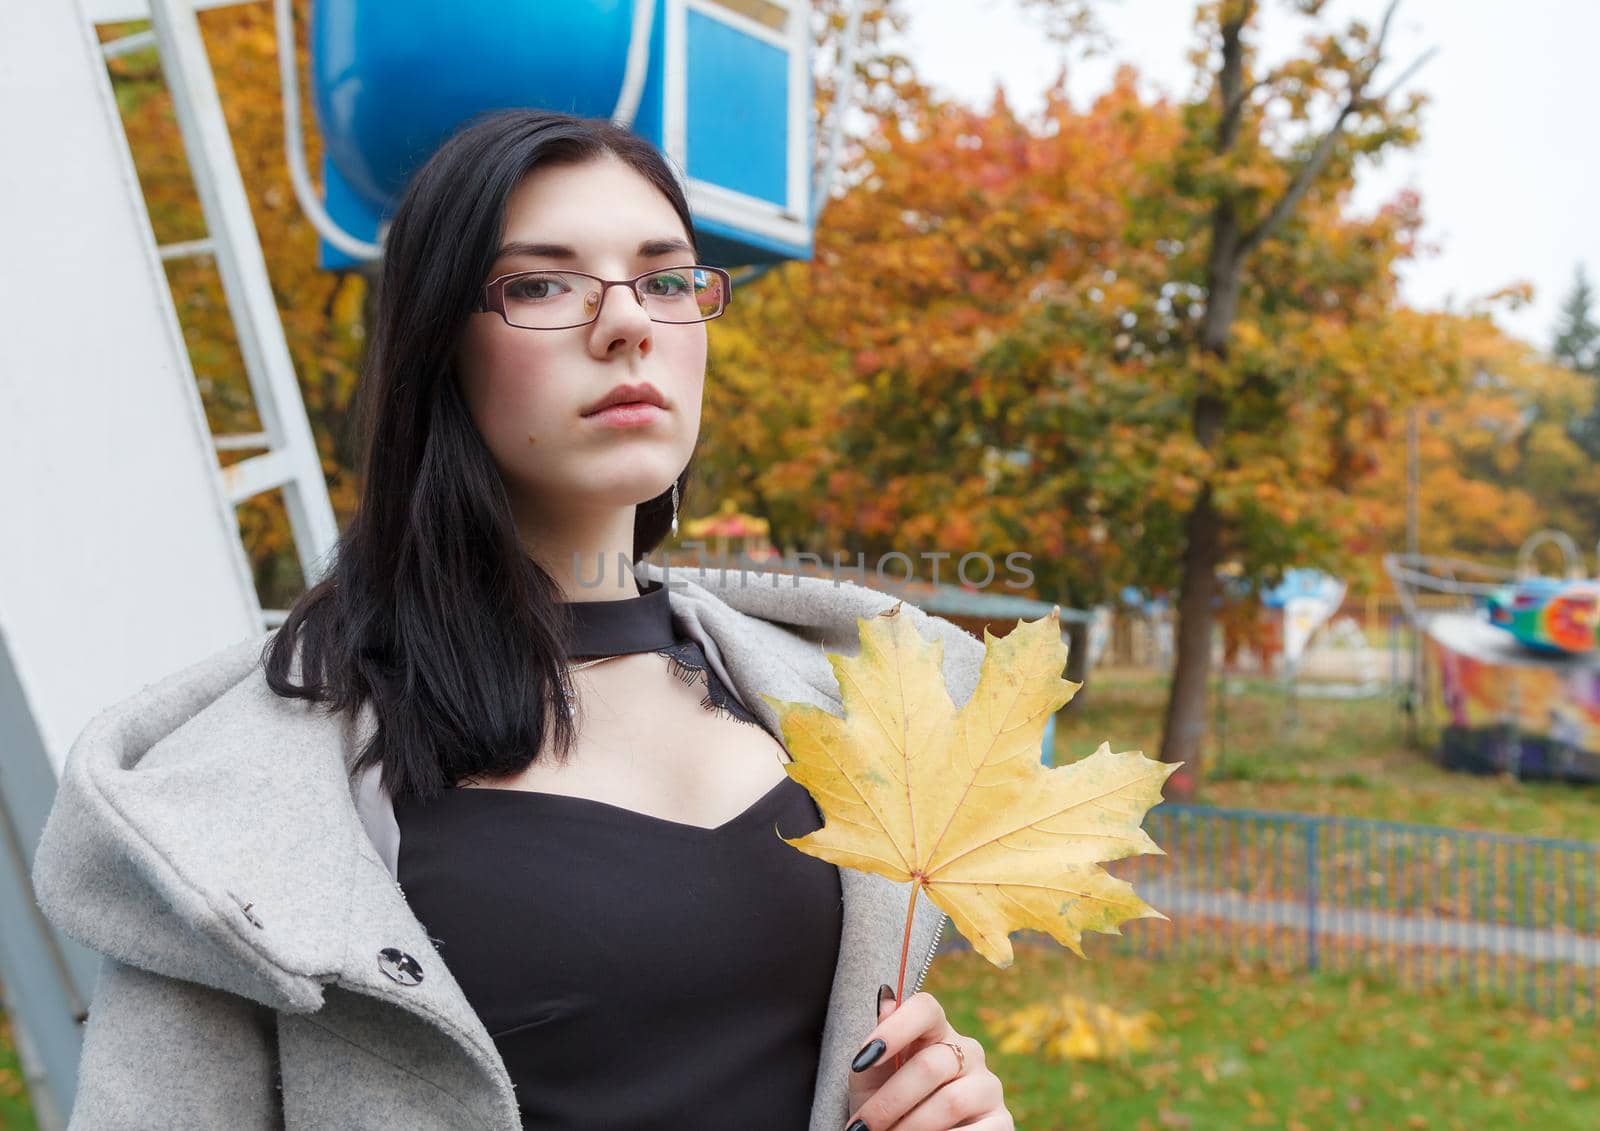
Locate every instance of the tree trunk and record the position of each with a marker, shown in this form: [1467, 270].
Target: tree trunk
[1184, 726]
[1077, 652]
[1231, 244]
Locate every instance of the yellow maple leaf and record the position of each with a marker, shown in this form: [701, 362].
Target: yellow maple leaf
[958, 802]
[1070, 1027]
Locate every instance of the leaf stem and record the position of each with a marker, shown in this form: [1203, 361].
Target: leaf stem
[905, 950]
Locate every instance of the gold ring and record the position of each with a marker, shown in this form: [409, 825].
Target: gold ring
[961, 1057]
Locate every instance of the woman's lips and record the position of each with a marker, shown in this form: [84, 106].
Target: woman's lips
[630, 415]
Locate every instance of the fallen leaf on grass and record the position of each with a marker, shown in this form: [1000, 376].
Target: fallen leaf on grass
[1070, 1028]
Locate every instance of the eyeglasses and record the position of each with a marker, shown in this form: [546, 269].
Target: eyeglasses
[561, 300]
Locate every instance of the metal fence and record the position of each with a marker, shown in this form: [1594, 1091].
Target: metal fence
[1383, 614]
[1503, 917]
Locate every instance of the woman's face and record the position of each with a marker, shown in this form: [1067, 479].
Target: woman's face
[529, 391]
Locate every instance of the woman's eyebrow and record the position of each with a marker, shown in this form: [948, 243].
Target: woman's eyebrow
[648, 249]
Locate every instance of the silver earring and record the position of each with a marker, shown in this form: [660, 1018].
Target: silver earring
[674, 508]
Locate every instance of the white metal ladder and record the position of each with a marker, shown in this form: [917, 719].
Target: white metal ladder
[290, 459]
[120, 547]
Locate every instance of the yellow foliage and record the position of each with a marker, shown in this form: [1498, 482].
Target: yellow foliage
[1070, 1028]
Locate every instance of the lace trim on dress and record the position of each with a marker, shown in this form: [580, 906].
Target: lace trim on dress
[687, 662]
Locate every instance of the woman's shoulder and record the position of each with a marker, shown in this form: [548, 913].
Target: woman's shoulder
[797, 617]
[770, 634]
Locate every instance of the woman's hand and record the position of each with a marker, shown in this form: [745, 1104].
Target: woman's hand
[934, 1088]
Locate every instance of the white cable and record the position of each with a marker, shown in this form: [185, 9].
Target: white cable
[844, 90]
[294, 142]
[644, 14]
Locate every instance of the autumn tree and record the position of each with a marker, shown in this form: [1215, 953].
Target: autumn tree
[1577, 340]
[1577, 346]
[1137, 340]
[1257, 156]
[1495, 460]
[900, 391]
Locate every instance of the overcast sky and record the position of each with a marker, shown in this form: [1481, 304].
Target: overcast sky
[1508, 168]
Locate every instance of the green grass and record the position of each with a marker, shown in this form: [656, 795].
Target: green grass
[1246, 1045]
[1328, 756]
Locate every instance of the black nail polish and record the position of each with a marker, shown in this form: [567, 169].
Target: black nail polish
[885, 993]
[868, 1056]
[857, 1126]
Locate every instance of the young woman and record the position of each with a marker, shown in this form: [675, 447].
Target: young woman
[487, 834]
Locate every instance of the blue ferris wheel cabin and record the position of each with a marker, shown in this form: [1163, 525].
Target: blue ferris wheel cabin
[723, 87]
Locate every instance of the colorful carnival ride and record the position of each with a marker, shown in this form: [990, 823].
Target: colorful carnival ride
[1508, 664]
[1549, 615]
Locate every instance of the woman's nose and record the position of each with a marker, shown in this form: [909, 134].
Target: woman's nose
[624, 317]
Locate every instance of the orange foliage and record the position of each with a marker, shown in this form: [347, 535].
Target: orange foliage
[994, 350]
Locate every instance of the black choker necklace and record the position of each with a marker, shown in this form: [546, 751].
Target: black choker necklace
[620, 627]
[603, 630]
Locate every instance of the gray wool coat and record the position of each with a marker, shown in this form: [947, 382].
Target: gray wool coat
[210, 841]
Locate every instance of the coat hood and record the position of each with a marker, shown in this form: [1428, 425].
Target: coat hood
[199, 787]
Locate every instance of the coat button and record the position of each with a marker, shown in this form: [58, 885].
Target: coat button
[248, 914]
[400, 966]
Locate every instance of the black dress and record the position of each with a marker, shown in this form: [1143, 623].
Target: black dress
[635, 973]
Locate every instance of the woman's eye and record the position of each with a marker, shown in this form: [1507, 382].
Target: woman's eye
[535, 288]
[668, 285]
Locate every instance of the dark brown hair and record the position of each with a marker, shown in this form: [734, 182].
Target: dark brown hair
[432, 609]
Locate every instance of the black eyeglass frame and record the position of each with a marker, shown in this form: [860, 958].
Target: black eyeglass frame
[492, 299]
